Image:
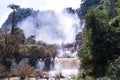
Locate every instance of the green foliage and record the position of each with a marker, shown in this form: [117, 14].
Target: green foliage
[31, 39]
[3, 70]
[86, 5]
[90, 49]
[36, 51]
[114, 70]
[110, 6]
[85, 53]
[20, 14]
[9, 48]
[88, 78]
[81, 78]
[37, 73]
[25, 71]
[118, 6]
[19, 32]
[22, 71]
[14, 8]
[104, 78]
[100, 44]
[76, 77]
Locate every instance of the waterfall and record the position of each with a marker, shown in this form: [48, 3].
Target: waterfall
[40, 64]
[65, 67]
[67, 50]
[60, 29]
[66, 63]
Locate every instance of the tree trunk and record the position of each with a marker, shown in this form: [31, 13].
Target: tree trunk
[13, 23]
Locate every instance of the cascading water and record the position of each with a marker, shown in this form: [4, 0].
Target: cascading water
[67, 65]
[60, 29]
[67, 50]
[40, 64]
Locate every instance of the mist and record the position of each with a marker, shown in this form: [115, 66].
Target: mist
[52, 27]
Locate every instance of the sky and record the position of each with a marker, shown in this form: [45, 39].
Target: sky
[56, 5]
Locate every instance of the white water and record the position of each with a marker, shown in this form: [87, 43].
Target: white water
[66, 52]
[67, 66]
[52, 27]
[61, 66]
[40, 64]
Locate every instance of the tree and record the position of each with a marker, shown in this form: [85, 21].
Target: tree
[86, 5]
[100, 42]
[19, 32]
[23, 71]
[9, 47]
[3, 70]
[114, 69]
[14, 8]
[20, 15]
[31, 39]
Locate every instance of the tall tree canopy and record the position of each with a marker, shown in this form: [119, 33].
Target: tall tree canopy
[101, 40]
